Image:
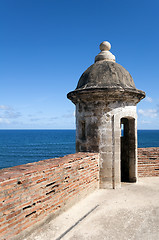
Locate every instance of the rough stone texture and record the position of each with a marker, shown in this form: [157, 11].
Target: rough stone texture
[33, 193]
[98, 129]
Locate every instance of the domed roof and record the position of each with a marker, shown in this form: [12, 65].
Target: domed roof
[106, 77]
[106, 74]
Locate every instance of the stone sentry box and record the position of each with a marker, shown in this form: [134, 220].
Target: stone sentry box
[106, 99]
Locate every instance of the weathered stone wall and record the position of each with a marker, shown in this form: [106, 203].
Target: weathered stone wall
[98, 129]
[148, 162]
[30, 194]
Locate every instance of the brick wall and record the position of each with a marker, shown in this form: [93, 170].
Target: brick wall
[30, 193]
[148, 162]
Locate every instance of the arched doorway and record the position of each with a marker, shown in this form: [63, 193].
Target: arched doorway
[128, 148]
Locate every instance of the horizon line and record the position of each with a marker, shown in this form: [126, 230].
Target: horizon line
[54, 129]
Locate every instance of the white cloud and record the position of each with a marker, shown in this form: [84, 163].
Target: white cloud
[148, 99]
[34, 119]
[145, 122]
[12, 114]
[3, 120]
[4, 107]
[7, 113]
[152, 113]
[69, 115]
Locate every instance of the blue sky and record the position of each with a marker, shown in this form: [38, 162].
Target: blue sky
[46, 45]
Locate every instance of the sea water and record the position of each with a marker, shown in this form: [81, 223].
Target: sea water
[24, 146]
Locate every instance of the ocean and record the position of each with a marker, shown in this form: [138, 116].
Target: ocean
[24, 146]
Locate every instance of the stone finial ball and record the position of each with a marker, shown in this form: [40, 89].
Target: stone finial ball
[105, 46]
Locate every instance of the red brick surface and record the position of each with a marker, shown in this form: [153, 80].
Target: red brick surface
[31, 192]
[148, 162]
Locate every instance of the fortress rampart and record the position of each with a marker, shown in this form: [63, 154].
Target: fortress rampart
[148, 162]
[34, 193]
